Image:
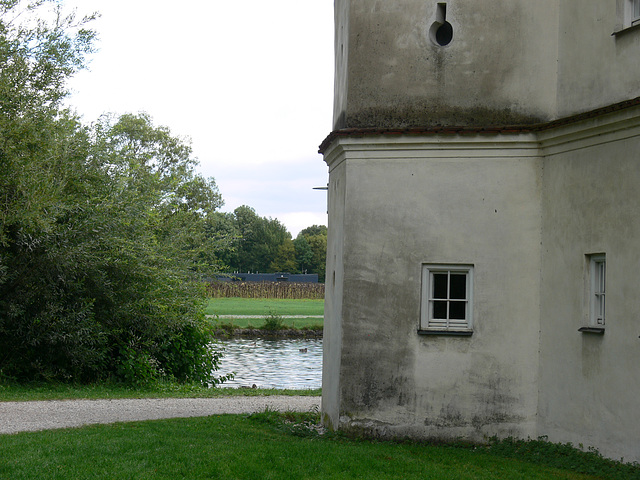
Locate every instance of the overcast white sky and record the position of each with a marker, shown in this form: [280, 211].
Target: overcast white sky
[250, 82]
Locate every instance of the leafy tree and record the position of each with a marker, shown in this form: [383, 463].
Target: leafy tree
[314, 230]
[311, 250]
[222, 231]
[318, 245]
[285, 259]
[102, 229]
[304, 254]
[261, 239]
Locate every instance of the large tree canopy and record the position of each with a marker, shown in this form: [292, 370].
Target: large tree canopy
[102, 228]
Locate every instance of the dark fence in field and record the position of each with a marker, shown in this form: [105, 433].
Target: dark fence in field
[314, 291]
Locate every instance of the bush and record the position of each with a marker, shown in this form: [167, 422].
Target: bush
[273, 321]
[103, 233]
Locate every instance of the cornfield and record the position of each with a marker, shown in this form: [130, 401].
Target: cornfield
[284, 290]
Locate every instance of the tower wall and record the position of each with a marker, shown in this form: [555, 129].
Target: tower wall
[596, 68]
[400, 203]
[499, 68]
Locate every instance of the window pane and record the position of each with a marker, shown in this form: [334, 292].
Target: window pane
[598, 287]
[458, 286]
[457, 310]
[440, 310]
[600, 309]
[636, 8]
[440, 286]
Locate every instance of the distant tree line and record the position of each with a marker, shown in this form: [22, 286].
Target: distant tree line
[247, 242]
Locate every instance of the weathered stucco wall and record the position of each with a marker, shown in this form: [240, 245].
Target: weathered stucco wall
[510, 62]
[413, 201]
[590, 384]
[341, 59]
[334, 284]
[596, 68]
[500, 67]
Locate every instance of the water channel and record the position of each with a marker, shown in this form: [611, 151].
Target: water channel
[282, 363]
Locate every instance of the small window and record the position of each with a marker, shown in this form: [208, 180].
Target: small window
[598, 274]
[628, 12]
[446, 299]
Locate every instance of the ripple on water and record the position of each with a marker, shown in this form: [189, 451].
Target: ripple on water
[282, 363]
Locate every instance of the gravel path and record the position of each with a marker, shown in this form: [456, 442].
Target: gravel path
[33, 416]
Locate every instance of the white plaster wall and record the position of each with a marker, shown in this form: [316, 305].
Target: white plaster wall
[596, 68]
[590, 385]
[341, 57]
[332, 334]
[500, 68]
[416, 200]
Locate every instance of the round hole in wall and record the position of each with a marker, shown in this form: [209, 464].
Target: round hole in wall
[442, 33]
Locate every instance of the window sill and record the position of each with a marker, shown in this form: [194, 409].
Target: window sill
[452, 333]
[592, 330]
[627, 28]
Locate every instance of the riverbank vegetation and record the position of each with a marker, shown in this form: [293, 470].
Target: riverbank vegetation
[270, 316]
[308, 323]
[272, 445]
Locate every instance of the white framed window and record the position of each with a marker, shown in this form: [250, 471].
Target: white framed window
[598, 277]
[628, 12]
[447, 296]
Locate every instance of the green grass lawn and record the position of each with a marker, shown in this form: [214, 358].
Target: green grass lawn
[248, 447]
[263, 306]
[53, 391]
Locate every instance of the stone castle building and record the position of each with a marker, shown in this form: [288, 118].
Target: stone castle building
[483, 266]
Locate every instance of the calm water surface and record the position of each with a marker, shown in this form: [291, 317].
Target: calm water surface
[283, 363]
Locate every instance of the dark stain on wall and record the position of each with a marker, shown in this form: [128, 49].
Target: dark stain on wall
[376, 366]
[416, 115]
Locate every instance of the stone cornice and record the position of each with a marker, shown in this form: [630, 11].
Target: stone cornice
[483, 131]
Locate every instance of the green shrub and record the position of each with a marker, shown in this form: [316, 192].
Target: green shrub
[273, 321]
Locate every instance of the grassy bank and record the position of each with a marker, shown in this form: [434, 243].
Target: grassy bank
[263, 306]
[257, 446]
[47, 391]
[296, 323]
